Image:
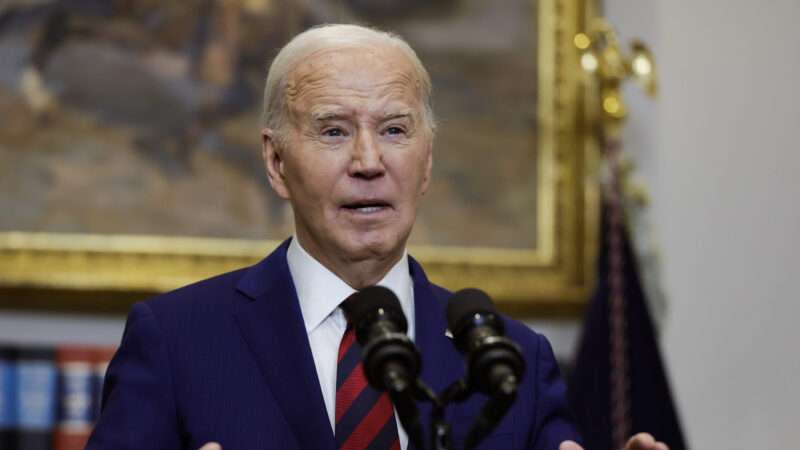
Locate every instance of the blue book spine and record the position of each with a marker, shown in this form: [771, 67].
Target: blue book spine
[8, 391]
[76, 409]
[36, 377]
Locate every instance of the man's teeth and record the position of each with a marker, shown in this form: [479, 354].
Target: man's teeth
[368, 209]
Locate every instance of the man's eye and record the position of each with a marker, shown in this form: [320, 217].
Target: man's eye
[394, 131]
[333, 132]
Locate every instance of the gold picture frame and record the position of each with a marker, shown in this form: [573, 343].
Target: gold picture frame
[107, 272]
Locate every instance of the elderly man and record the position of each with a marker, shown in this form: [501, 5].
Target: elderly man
[263, 357]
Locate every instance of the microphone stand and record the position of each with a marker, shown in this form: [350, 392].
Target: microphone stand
[403, 394]
[440, 437]
[440, 430]
[491, 413]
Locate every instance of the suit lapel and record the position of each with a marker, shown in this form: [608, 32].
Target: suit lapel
[272, 326]
[441, 364]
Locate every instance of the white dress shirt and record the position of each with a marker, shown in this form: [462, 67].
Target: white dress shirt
[320, 292]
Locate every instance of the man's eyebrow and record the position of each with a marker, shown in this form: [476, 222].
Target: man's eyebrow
[321, 116]
[397, 115]
[326, 115]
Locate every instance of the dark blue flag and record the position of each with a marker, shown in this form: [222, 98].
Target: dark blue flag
[618, 386]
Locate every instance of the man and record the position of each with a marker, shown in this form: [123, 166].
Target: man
[250, 359]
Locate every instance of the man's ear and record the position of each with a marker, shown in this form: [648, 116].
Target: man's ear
[426, 180]
[272, 152]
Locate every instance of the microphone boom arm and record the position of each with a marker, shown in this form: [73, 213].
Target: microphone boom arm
[491, 414]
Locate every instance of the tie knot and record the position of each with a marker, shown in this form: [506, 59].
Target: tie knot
[372, 303]
[347, 306]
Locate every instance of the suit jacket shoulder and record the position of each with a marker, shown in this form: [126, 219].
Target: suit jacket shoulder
[540, 417]
[209, 362]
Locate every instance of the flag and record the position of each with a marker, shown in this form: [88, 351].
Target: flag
[618, 386]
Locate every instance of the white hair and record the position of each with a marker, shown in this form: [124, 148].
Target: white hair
[325, 37]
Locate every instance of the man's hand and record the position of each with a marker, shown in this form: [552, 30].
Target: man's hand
[211, 446]
[642, 441]
[645, 441]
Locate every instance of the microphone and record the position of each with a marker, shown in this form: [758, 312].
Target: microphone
[494, 363]
[391, 361]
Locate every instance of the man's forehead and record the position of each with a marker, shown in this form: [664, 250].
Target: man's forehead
[391, 110]
[386, 71]
[345, 84]
[376, 55]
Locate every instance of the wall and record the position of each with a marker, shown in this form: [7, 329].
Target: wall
[719, 150]
[47, 328]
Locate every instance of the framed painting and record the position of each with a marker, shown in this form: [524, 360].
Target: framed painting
[130, 149]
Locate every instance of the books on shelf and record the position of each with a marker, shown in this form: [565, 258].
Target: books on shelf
[50, 396]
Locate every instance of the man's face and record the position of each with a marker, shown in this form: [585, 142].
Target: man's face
[357, 153]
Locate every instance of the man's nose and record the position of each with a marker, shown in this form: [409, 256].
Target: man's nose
[367, 159]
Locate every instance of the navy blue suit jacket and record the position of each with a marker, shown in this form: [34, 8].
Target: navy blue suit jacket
[228, 360]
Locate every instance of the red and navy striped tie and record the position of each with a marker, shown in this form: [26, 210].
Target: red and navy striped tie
[364, 416]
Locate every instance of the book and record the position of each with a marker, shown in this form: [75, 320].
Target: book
[36, 398]
[76, 386]
[8, 393]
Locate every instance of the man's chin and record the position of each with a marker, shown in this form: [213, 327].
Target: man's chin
[375, 246]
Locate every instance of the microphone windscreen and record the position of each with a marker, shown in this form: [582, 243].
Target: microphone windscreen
[373, 302]
[466, 303]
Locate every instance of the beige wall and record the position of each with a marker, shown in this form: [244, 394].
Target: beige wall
[720, 152]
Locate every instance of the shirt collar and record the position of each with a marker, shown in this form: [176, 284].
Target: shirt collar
[320, 291]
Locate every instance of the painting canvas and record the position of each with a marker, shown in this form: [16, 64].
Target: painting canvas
[130, 144]
[143, 117]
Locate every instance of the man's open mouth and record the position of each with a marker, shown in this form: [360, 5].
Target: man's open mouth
[367, 207]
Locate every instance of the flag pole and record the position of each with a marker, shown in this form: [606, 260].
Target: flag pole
[608, 67]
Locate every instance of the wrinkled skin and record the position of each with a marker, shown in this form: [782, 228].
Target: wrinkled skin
[354, 159]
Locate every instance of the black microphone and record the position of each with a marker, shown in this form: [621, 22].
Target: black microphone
[391, 361]
[494, 362]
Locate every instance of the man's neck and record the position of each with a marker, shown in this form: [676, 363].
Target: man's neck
[358, 274]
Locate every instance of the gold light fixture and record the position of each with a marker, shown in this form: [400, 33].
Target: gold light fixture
[602, 59]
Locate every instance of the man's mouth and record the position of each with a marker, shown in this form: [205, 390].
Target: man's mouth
[367, 206]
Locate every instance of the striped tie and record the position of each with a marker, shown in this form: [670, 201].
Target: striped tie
[364, 416]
